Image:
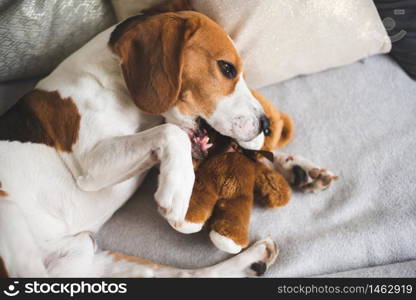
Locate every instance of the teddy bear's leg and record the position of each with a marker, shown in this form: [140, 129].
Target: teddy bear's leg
[230, 223]
[272, 187]
[201, 205]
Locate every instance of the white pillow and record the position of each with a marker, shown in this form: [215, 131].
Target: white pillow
[280, 39]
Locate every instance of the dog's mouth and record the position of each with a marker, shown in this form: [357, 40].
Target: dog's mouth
[200, 139]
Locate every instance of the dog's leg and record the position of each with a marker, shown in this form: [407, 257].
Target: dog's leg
[76, 256]
[301, 173]
[120, 158]
[252, 262]
[19, 252]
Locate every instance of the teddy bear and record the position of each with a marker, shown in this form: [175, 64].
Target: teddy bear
[227, 177]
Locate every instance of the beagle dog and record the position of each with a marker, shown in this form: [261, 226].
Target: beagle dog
[76, 148]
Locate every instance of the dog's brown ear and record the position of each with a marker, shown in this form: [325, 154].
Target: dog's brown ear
[151, 53]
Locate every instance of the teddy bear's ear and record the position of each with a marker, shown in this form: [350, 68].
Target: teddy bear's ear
[281, 130]
[286, 131]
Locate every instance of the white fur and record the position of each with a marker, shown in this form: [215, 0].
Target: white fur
[55, 198]
[238, 114]
[255, 144]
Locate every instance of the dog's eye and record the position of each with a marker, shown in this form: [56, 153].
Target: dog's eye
[227, 69]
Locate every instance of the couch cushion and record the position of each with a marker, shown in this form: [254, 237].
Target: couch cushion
[35, 36]
[280, 39]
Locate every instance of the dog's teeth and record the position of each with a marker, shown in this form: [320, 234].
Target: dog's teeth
[209, 146]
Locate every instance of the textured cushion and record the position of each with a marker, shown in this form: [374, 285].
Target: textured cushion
[36, 35]
[399, 18]
[280, 39]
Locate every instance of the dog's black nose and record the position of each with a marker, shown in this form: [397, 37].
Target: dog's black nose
[265, 125]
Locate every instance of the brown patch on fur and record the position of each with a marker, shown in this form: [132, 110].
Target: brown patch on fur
[281, 125]
[151, 54]
[3, 270]
[118, 256]
[44, 118]
[203, 83]
[172, 59]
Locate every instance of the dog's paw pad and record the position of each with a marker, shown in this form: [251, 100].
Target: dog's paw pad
[255, 260]
[300, 176]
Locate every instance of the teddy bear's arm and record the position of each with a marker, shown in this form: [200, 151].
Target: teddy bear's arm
[271, 186]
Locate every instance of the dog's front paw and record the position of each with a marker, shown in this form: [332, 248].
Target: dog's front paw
[302, 174]
[177, 176]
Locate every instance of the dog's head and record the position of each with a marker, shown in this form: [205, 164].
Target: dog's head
[182, 65]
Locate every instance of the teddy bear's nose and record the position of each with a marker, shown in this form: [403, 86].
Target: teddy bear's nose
[264, 125]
